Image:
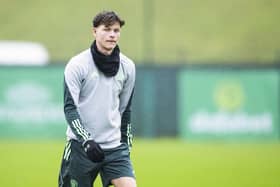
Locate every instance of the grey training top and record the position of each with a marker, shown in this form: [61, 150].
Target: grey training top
[98, 107]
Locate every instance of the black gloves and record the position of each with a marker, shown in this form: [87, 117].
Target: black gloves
[93, 150]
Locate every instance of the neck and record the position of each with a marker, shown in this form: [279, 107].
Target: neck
[108, 64]
[104, 51]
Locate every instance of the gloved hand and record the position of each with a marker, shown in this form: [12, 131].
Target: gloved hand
[93, 150]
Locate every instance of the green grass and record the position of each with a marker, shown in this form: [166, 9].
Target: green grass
[162, 163]
[182, 31]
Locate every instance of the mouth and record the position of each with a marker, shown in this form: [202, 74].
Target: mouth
[111, 41]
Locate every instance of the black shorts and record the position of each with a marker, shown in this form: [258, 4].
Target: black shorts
[78, 171]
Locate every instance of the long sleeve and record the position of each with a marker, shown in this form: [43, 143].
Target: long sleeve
[126, 130]
[126, 100]
[72, 86]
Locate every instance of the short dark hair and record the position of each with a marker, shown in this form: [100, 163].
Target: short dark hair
[107, 18]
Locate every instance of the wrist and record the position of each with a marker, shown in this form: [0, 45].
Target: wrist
[86, 141]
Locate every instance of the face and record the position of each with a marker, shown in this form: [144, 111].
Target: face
[107, 37]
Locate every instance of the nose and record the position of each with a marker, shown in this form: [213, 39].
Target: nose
[112, 34]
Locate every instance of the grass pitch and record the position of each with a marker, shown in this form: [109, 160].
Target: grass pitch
[159, 162]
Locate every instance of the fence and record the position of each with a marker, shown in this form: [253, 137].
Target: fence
[228, 103]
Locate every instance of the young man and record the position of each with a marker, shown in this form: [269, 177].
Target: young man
[98, 89]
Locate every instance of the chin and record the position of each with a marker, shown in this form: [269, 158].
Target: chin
[110, 47]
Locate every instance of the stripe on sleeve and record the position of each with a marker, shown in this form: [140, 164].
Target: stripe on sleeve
[81, 131]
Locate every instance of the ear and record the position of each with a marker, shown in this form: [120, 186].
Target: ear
[94, 31]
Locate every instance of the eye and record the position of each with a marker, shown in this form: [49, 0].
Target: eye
[116, 30]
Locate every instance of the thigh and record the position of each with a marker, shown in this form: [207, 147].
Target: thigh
[117, 165]
[76, 169]
[124, 182]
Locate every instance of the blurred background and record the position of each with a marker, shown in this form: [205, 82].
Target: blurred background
[206, 107]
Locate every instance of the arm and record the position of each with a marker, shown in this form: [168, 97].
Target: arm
[125, 101]
[72, 86]
[73, 78]
[126, 131]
